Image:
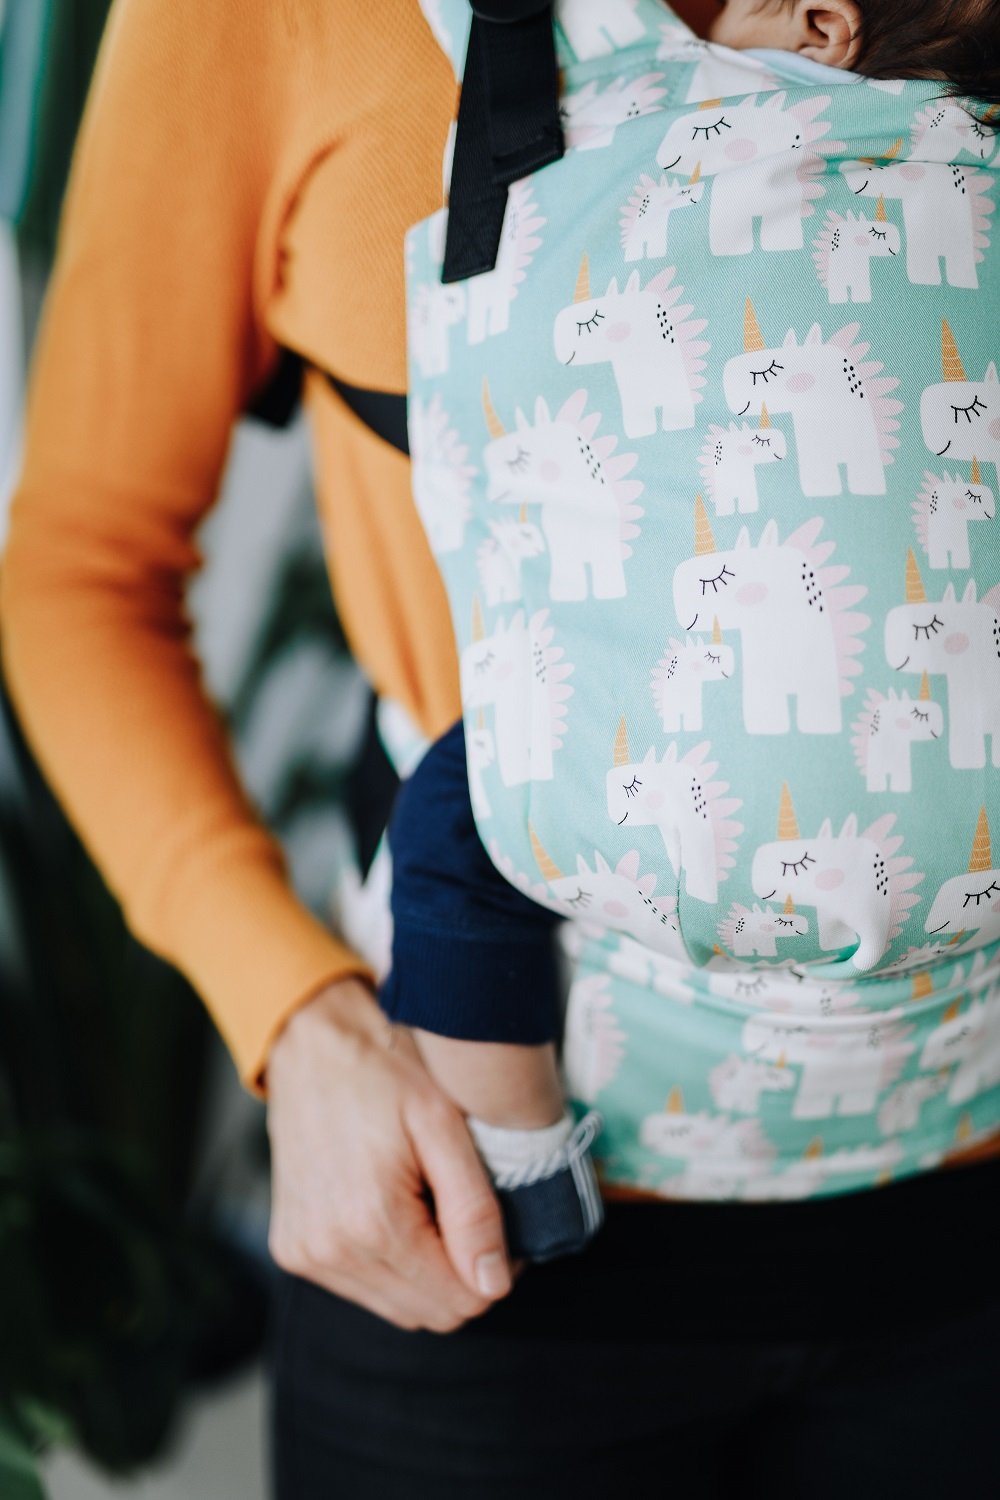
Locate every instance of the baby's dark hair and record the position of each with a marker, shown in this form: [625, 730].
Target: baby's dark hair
[954, 39]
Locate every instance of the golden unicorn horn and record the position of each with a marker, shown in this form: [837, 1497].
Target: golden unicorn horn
[951, 360]
[991, 114]
[789, 905]
[581, 292]
[952, 1013]
[704, 541]
[753, 339]
[522, 514]
[814, 1150]
[880, 213]
[925, 689]
[478, 628]
[788, 823]
[481, 720]
[494, 426]
[675, 1101]
[710, 104]
[543, 859]
[622, 756]
[894, 150]
[921, 986]
[765, 418]
[976, 477]
[915, 591]
[695, 175]
[716, 631]
[982, 857]
[964, 1129]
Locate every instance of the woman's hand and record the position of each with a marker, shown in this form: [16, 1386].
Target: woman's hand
[359, 1131]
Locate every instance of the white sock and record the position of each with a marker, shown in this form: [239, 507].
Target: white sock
[515, 1157]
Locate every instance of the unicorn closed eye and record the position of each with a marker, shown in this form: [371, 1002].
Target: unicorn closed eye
[520, 672]
[859, 884]
[730, 460]
[678, 796]
[844, 251]
[970, 902]
[756, 931]
[681, 673]
[959, 639]
[946, 207]
[885, 731]
[838, 399]
[942, 513]
[959, 416]
[615, 897]
[651, 342]
[800, 632]
[737, 143]
[645, 220]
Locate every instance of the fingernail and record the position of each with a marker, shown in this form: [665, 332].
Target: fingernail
[492, 1276]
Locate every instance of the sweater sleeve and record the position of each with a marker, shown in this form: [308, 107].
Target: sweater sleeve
[152, 338]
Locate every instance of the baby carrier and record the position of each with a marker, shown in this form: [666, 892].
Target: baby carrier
[707, 456]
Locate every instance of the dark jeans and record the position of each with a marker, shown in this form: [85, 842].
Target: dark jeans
[831, 1350]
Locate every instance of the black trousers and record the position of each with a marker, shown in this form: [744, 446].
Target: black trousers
[832, 1350]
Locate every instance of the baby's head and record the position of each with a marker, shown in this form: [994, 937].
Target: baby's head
[958, 40]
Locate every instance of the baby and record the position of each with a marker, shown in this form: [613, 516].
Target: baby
[475, 973]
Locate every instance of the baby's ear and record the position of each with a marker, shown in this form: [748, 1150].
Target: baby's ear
[829, 33]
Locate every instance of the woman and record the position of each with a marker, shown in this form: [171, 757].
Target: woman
[240, 187]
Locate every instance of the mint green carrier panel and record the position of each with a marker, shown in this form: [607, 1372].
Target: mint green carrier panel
[709, 467]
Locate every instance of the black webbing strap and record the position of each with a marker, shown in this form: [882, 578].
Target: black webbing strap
[508, 125]
[383, 412]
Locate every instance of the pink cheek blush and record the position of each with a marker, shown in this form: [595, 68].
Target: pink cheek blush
[504, 671]
[653, 800]
[549, 471]
[829, 880]
[800, 382]
[994, 428]
[960, 503]
[752, 593]
[743, 150]
[617, 333]
[910, 172]
[616, 908]
[956, 644]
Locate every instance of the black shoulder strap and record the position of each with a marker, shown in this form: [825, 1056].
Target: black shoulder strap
[508, 125]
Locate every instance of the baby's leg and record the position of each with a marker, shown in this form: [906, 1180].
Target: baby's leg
[516, 1087]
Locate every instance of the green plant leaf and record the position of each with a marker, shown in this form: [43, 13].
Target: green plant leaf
[18, 1466]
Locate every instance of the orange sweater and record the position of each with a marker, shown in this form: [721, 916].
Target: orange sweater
[239, 161]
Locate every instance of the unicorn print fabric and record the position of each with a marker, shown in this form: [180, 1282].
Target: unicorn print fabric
[709, 463]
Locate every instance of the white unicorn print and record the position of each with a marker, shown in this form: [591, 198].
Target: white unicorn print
[959, 416]
[593, 1042]
[520, 672]
[846, 1062]
[902, 1107]
[946, 208]
[884, 733]
[730, 460]
[594, 28]
[490, 294]
[680, 675]
[616, 897]
[749, 931]
[800, 633]
[781, 987]
[588, 512]
[838, 399]
[651, 342]
[591, 116]
[738, 143]
[844, 251]
[970, 902]
[807, 1177]
[433, 311]
[480, 754]
[859, 884]
[645, 220]
[719, 1150]
[719, 71]
[737, 1084]
[642, 965]
[499, 557]
[441, 475]
[967, 1041]
[943, 512]
[678, 796]
[956, 638]
[944, 130]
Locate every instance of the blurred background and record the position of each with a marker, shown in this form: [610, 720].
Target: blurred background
[134, 1277]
